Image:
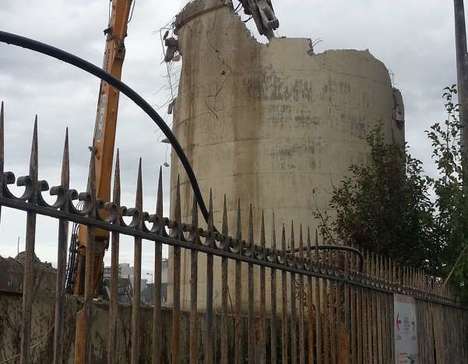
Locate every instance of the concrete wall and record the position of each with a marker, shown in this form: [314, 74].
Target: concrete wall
[274, 125]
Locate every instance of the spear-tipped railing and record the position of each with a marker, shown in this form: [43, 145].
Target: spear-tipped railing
[323, 298]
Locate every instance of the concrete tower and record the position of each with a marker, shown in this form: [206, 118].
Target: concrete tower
[274, 125]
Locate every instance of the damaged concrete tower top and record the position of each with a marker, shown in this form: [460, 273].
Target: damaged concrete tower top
[276, 124]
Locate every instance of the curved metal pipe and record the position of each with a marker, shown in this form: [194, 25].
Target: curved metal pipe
[20, 41]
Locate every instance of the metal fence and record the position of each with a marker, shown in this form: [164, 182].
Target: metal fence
[308, 303]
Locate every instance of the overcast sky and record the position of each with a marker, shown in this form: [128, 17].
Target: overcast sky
[414, 38]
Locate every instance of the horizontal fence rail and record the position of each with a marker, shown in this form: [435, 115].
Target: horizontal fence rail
[284, 297]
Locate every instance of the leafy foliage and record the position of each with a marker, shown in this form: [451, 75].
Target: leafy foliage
[384, 206]
[451, 224]
[389, 206]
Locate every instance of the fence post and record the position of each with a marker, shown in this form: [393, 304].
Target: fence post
[175, 233]
[61, 261]
[224, 289]
[114, 284]
[274, 318]
[83, 319]
[238, 294]
[136, 298]
[28, 278]
[157, 315]
[209, 352]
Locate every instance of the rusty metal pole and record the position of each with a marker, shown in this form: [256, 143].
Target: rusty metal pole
[462, 74]
[462, 78]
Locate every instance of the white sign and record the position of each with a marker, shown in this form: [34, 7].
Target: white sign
[406, 335]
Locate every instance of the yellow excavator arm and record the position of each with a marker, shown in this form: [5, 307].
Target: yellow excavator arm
[104, 136]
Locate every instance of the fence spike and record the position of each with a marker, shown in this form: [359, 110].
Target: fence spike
[177, 209]
[225, 228]
[239, 226]
[33, 161]
[139, 189]
[159, 199]
[251, 228]
[195, 214]
[273, 232]
[292, 242]
[210, 212]
[65, 175]
[309, 245]
[283, 240]
[301, 243]
[116, 189]
[262, 232]
[316, 245]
